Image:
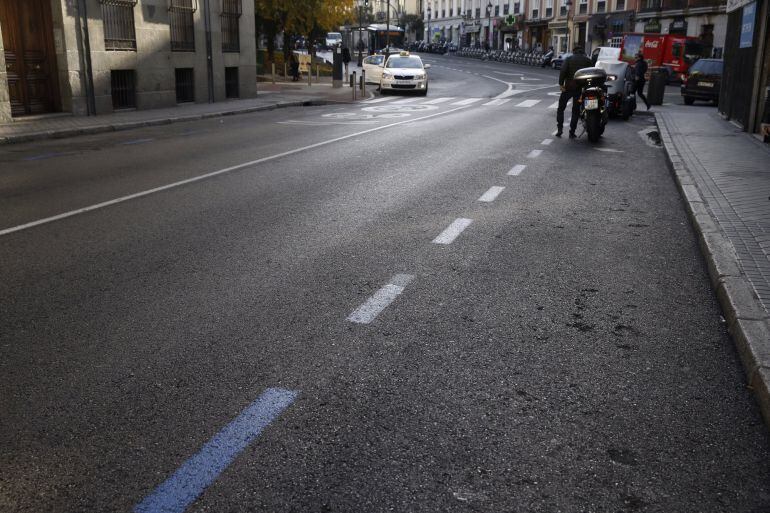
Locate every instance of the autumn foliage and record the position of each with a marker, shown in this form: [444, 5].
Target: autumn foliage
[309, 18]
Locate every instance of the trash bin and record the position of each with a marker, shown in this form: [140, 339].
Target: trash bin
[658, 79]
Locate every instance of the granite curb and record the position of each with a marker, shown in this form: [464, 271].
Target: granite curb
[747, 321]
[129, 125]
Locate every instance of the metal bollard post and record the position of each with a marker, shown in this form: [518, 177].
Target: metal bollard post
[273, 72]
[353, 84]
[285, 71]
[310, 74]
[363, 83]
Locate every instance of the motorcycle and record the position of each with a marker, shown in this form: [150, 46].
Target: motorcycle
[593, 101]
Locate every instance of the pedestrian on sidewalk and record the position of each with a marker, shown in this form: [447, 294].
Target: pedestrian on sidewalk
[640, 70]
[569, 89]
[346, 59]
[294, 66]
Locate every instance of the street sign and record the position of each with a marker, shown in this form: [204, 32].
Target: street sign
[747, 25]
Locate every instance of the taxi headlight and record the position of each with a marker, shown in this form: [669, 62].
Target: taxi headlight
[387, 74]
[419, 76]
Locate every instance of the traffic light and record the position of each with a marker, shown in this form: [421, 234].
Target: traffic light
[366, 3]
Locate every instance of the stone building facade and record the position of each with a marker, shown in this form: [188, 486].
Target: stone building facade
[99, 56]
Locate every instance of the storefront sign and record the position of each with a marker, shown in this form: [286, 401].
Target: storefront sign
[652, 26]
[733, 5]
[747, 25]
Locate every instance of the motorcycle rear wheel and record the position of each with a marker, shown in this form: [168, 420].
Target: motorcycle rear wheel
[593, 125]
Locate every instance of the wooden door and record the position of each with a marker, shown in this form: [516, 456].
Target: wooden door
[30, 58]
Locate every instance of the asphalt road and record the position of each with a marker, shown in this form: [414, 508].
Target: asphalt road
[318, 314]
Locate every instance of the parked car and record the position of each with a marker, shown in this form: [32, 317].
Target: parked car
[703, 81]
[405, 72]
[557, 62]
[373, 68]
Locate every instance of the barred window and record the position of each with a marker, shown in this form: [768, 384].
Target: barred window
[123, 88]
[231, 13]
[182, 25]
[119, 30]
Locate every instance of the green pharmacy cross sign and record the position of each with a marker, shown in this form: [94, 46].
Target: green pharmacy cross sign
[511, 20]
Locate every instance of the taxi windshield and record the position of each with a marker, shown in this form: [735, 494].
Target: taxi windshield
[404, 62]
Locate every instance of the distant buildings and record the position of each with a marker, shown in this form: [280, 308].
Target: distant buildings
[99, 56]
[563, 23]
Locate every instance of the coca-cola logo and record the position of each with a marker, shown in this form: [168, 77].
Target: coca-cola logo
[651, 44]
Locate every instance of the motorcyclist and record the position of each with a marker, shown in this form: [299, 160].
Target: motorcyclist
[570, 89]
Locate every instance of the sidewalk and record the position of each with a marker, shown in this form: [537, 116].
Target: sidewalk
[724, 176]
[269, 96]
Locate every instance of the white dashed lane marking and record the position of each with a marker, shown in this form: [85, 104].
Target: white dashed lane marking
[491, 194]
[453, 231]
[516, 170]
[380, 300]
[528, 103]
[436, 101]
[546, 142]
[534, 154]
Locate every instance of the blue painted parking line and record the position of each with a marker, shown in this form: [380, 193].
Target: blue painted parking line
[137, 141]
[200, 471]
[45, 156]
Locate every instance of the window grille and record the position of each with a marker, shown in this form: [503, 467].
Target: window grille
[231, 83]
[123, 83]
[229, 18]
[119, 29]
[185, 85]
[182, 24]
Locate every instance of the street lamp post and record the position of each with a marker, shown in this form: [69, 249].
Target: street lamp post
[429, 11]
[569, 29]
[489, 24]
[360, 42]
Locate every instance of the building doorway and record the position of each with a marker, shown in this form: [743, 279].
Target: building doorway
[30, 58]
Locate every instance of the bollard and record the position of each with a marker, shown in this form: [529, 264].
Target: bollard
[363, 83]
[353, 84]
[274, 73]
[285, 71]
[309, 74]
[318, 73]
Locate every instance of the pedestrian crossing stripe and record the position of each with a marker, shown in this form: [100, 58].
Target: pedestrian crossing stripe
[436, 101]
[496, 102]
[450, 100]
[467, 101]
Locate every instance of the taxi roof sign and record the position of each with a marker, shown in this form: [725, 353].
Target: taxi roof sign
[403, 53]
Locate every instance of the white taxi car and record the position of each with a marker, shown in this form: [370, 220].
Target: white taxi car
[373, 66]
[405, 72]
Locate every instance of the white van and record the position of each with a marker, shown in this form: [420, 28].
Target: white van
[333, 39]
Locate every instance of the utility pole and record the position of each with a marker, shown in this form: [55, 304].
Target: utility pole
[387, 29]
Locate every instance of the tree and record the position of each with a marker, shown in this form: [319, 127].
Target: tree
[311, 18]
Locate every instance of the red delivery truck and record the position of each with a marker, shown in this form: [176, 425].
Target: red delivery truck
[674, 52]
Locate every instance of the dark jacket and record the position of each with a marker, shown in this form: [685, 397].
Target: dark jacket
[346, 55]
[568, 68]
[640, 68]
